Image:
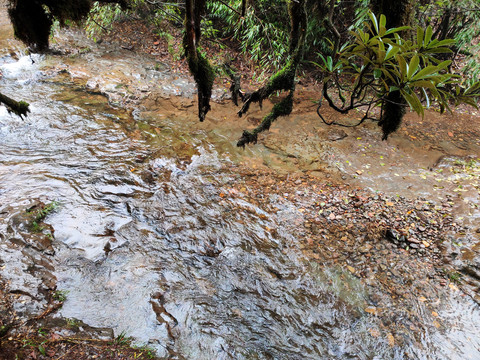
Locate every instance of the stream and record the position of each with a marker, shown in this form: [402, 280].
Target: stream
[145, 245]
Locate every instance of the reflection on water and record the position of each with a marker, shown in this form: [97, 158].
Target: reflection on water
[145, 244]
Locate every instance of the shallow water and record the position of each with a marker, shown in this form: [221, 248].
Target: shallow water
[192, 274]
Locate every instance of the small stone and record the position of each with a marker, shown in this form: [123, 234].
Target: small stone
[365, 248]
[336, 134]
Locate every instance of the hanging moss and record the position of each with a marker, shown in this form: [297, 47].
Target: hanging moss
[283, 79]
[32, 19]
[393, 112]
[31, 24]
[283, 108]
[69, 10]
[198, 64]
[204, 76]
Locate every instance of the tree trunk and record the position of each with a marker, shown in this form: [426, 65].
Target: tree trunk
[398, 13]
[199, 66]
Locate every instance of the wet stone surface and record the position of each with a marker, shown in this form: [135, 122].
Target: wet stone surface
[168, 233]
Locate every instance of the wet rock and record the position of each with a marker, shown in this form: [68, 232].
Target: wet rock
[413, 240]
[365, 248]
[336, 135]
[26, 227]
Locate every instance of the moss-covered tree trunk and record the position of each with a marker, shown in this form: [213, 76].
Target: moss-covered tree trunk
[283, 80]
[199, 66]
[20, 108]
[398, 13]
[32, 19]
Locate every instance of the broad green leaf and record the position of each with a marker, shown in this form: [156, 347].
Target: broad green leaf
[414, 102]
[413, 66]
[403, 66]
[420, 35]
[383, 20]
[439, 50]
[425, 71]
[377, 73]
[397, 29]
[444, 64]
[391, 52]
[374, 20]
[428, 35]
[445, 42]
[422, 84]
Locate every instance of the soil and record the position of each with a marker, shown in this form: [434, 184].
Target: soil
[375, 230]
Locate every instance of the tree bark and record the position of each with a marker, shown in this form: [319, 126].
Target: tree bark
[398, 13]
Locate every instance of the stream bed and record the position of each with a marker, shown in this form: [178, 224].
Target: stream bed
[145, 244]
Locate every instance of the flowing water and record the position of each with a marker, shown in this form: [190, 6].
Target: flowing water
[145, 245]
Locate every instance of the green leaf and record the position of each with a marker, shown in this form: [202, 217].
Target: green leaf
[397, 29]
[473, 88]
[383, 20]
[422, 84]
[377, 73]
[425, 71]
[445, 42]
[413, 101]
[413, 66]
[444, 64]
[420, 35]
[373, 18]
[391, 52]
[428, 35]
[403, 66]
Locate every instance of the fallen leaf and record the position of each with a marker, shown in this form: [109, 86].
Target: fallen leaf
[436, 324]
[390, 339]
[426, 244]
[434, 313]
[332, 216]
[351, 269]
[453, 287]
[389, 203]
[422, 298]
[450, 134]
[374, 332]
[371, 310]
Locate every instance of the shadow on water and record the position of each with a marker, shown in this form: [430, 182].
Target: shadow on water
[145, 244]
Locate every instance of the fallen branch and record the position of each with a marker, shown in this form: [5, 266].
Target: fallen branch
[20, 108]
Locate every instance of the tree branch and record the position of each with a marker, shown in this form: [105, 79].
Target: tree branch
[20, 108]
